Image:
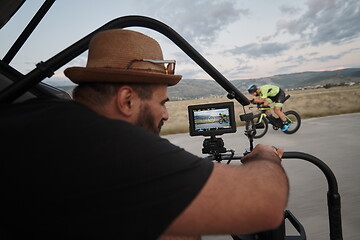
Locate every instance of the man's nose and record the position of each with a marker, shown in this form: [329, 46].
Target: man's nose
[165, 114]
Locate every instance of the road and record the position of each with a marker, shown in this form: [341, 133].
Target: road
[335, 140]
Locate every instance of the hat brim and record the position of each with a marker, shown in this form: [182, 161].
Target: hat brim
[111, 75]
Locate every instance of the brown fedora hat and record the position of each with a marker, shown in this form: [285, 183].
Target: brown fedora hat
[124, 56]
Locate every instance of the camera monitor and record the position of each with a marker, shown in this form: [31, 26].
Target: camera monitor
[212, 119]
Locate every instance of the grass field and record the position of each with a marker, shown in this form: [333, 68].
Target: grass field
[308, 103]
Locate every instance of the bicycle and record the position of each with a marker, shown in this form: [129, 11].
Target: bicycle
[262, 121]
[223, 119]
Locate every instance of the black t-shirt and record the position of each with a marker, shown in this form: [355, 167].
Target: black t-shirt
[73, 174]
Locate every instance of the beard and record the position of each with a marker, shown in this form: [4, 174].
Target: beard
[147, 120]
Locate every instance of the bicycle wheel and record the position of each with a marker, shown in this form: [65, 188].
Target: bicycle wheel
[260, 127]
[295, 121]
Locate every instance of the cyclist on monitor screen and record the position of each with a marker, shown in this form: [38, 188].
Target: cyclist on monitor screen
[268, 94]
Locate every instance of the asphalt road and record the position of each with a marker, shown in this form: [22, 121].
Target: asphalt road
[336, 141]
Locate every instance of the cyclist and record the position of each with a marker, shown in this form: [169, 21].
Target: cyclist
[223, 117]
[268, 94]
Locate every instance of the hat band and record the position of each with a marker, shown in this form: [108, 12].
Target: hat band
[169, 69]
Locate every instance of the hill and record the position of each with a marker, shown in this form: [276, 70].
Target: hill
[194, 88]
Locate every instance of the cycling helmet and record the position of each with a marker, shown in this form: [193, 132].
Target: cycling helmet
[252, 88]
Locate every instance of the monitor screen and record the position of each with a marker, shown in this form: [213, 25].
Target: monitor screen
[212, 119]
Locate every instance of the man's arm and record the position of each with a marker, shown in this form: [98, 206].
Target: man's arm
[238, 199]
[257, 99]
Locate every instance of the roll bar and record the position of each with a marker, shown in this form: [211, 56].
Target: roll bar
[333, 196]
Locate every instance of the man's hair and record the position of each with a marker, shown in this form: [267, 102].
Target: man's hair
[101, 93]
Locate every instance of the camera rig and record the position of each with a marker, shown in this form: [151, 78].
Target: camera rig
[208, 120]
[214, 146]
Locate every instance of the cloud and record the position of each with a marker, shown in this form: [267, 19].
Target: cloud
[312, 57]
[285, 69]
[337, 56]
[198, 21]
[256, 50]
[191, 73]
[79, 61]
[333, 21]
[285, 9]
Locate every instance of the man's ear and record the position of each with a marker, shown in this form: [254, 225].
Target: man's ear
[125, 100]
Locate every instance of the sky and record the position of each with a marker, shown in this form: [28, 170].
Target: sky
[241, 38]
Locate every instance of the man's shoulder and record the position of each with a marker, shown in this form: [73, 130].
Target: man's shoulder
[53, 113]
[39, 103]
[69, 121]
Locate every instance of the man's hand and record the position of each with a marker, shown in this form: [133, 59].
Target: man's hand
[264, 152]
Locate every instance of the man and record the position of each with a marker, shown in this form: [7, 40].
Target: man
[98, 169]
[268, 94]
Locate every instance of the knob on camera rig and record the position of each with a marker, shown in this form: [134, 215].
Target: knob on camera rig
[213, 145]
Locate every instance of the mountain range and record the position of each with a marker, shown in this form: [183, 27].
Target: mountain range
[198, 88]
[195, 88]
